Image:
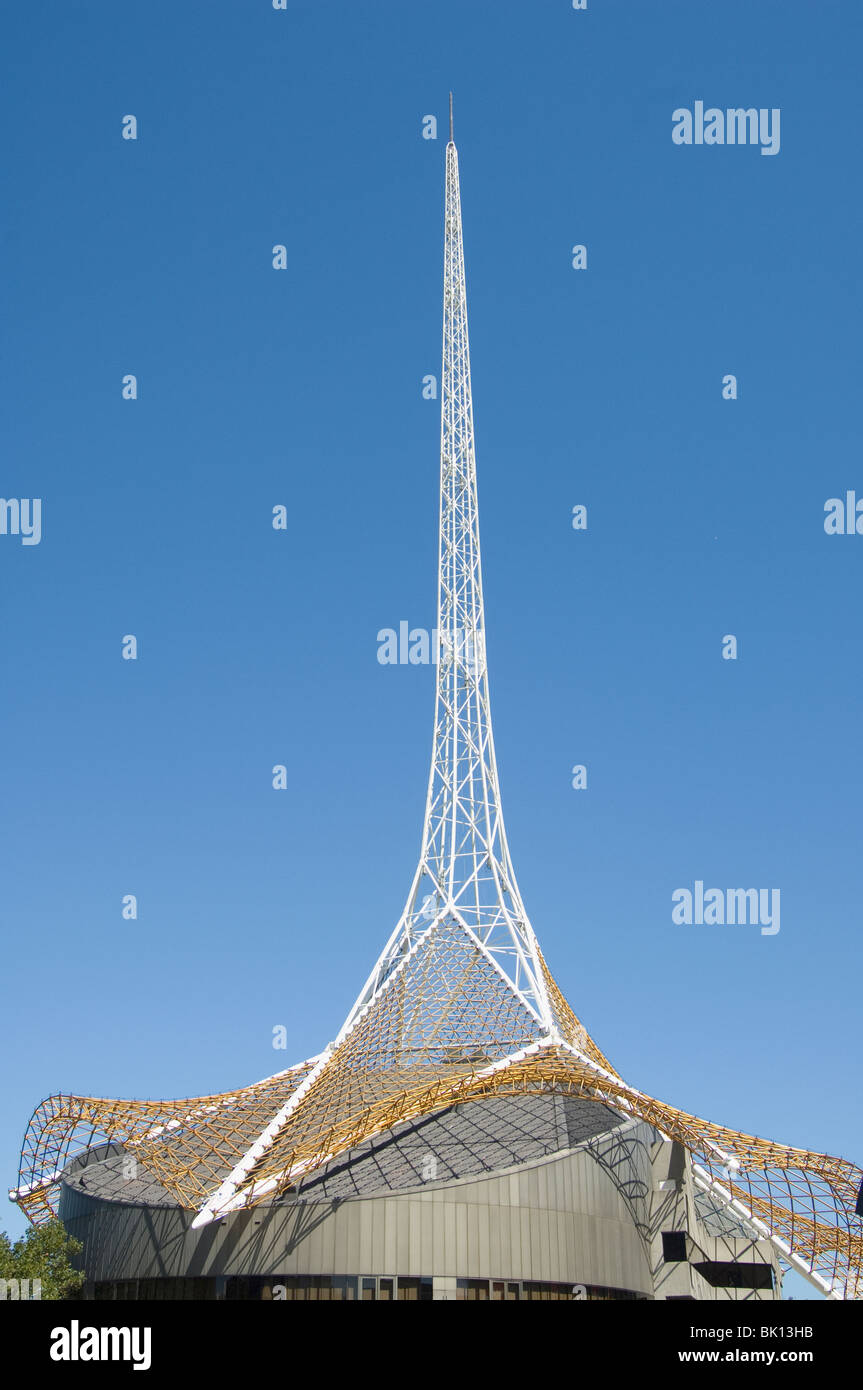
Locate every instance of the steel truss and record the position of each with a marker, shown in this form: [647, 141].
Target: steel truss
[460, 1005]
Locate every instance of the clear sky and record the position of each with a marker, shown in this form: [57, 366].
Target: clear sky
[303, 387]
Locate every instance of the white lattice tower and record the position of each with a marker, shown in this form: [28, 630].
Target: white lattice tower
[465, 879]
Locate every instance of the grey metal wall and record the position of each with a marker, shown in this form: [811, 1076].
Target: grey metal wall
[579, 1217]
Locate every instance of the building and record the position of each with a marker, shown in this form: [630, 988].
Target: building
[463, 1136]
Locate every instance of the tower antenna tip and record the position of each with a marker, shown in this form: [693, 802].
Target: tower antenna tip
[450, 119]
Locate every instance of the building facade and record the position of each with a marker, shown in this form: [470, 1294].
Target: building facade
[534, 1197]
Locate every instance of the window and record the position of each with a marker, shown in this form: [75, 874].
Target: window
[674, 1247]
[729, 1274]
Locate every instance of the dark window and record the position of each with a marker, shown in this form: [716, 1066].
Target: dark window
[729, 1274]
[674, 1246]
[472, 1289]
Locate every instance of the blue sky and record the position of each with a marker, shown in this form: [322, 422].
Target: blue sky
[303, 387]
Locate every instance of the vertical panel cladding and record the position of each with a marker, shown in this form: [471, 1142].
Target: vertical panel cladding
[572, 1245]
[329, 1239]
[318, 1248]
[471, 1229]
[526, 1241]
[598, 1239]
[541, 1179]
[480, 1193]
[494, 1241]
[352, 1219]
[438, 1211]
[402, 1225]
[516, 1252]
[413, 1211]
[561, 1219]
[303, 1244]
[340, 1248]
[461, 1238]
[280, 1250]
[575, 1195]
[484, 1220]
[391, 1221]
[557, 1269]
[453, 1217]
[614, 1252]
[425, 1239]
[370, 1242]
[508, 1254]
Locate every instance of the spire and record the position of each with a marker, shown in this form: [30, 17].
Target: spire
[450, 119]
[465, 881]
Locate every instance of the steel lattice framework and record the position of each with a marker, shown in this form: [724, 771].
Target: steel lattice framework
[460, 1004]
